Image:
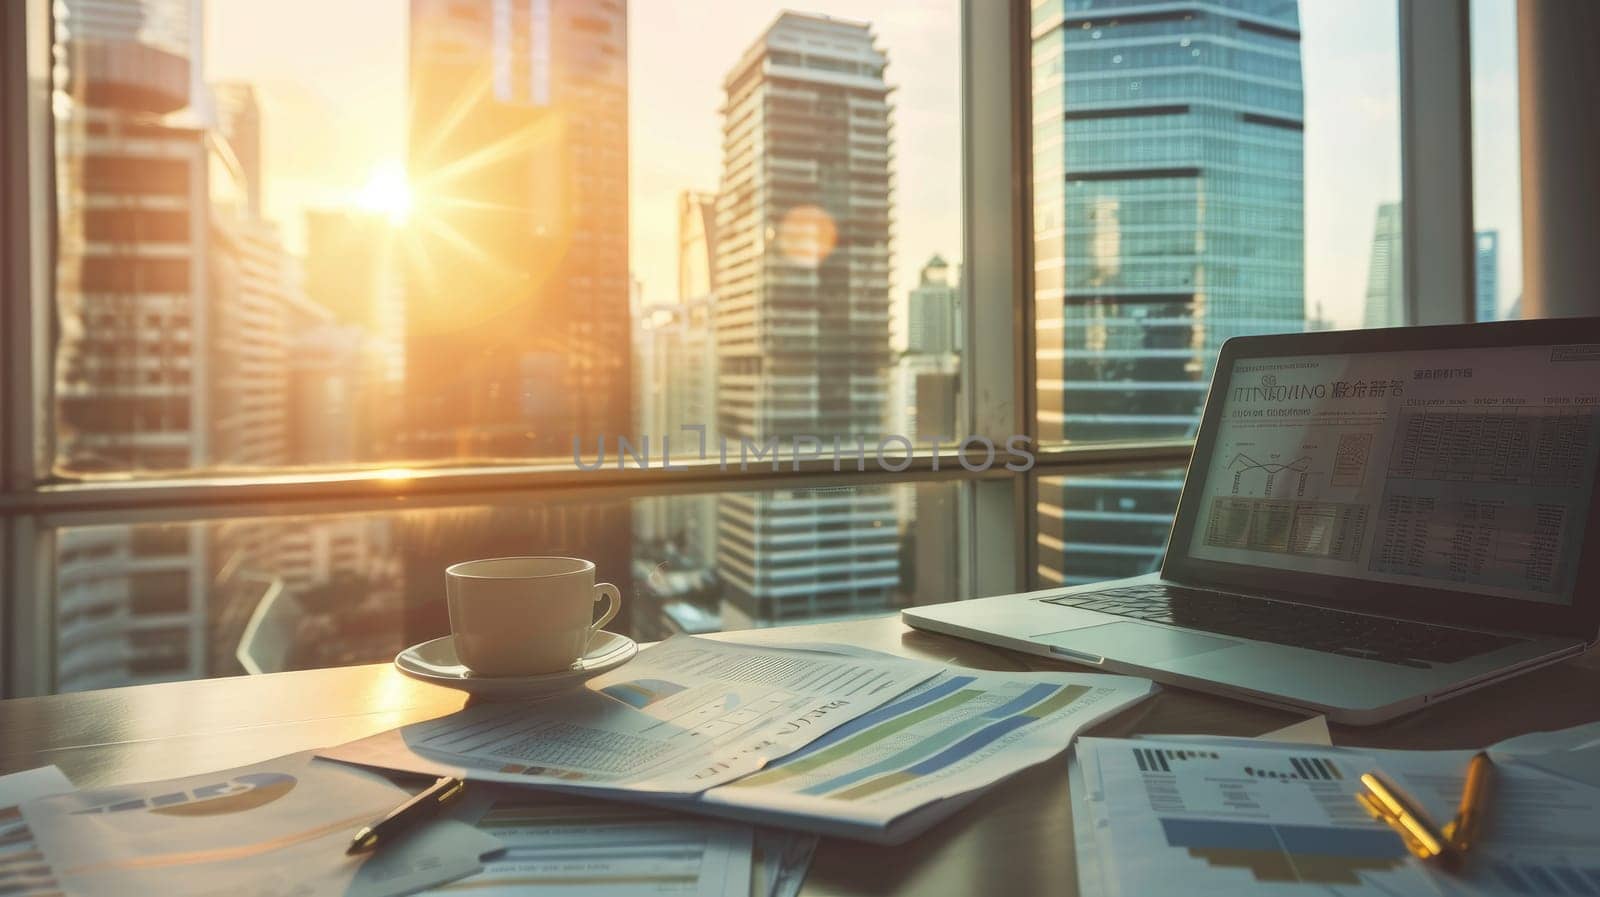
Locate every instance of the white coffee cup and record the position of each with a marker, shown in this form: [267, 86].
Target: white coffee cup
[525, 616]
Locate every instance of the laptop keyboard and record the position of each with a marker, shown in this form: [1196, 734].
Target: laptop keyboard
[1297, 625]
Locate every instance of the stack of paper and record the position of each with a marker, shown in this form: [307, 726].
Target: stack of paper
[275, 828]
[558, 844]
[684, 716]
[1230, 816]
[826, 739]
[890, 774]
[282, 827]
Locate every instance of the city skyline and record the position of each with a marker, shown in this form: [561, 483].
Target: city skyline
[1352, 146]
[315, 169]
[194, 337]
[319, 358]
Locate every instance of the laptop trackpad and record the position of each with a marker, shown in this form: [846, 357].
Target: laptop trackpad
[1131, 642]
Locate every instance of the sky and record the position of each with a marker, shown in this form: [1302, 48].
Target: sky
[334, 112]
[1496, 146]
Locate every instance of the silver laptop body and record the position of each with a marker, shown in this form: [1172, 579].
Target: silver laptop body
[1372, 521]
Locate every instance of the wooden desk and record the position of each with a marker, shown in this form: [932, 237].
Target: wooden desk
[1017, 839]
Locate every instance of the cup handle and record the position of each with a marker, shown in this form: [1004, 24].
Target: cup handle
[613, 604]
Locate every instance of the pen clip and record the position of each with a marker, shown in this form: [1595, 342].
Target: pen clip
[1421, 836]
[1380, 813]
[452, 792]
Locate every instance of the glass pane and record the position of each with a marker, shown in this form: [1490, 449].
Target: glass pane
[1496, 161]
[560, 228]
[1103, 526]
[1200, 173]
[158, 602]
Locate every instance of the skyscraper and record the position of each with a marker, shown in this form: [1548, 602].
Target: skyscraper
[1385, 305]
[802, 316]
[697, 240]
[1486, 274]
[239, 123]
[677, 389]
[173, 297]
[131, 264]
[923, 399]
[517, 302]
[1168, 214]
[676, 353]
[517, 293]
[923, 386]
[130, 358]
[934, 311]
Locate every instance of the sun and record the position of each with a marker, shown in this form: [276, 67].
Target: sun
[387, 192]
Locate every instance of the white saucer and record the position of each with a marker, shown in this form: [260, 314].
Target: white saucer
[436, 662]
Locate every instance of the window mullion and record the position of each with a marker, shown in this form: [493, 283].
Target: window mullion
[1560, 137]
[997, 387]
[27, 650]
[1436, 161]
[25, 226]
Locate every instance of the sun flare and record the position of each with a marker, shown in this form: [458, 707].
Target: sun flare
[387, 192]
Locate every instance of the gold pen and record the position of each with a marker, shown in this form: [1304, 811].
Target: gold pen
[1385, 801]
[422, 806]
[1462, 831]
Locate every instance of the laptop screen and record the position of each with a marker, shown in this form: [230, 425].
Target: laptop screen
[1466, 469]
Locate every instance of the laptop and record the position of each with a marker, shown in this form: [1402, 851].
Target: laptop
[1372, 521]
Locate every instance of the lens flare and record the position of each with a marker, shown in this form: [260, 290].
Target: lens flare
[807, 235]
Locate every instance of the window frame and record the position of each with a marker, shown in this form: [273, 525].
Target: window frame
[996, 522]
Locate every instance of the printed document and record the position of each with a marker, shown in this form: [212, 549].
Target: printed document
[686, 715]
[955, 735]
[780, 863]
[24, 872]
[1228, 819]
[576, 847]
[269, 830]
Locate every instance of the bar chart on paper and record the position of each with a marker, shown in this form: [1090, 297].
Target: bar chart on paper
[1542, 878]
[1227, 820]
[886, 750]
[953, 735]
[576, 847]
[1320, 854]
[1282, 821]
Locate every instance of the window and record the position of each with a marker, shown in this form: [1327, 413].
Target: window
[299, 339]
[150, 602]
[1198, 174]
[1103, 526]
[563, 229]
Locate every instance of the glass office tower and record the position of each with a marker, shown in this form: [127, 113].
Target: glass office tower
[1168, 216]
[1486, 275]
[1385, 306]
[802, 315]
[517, 317]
